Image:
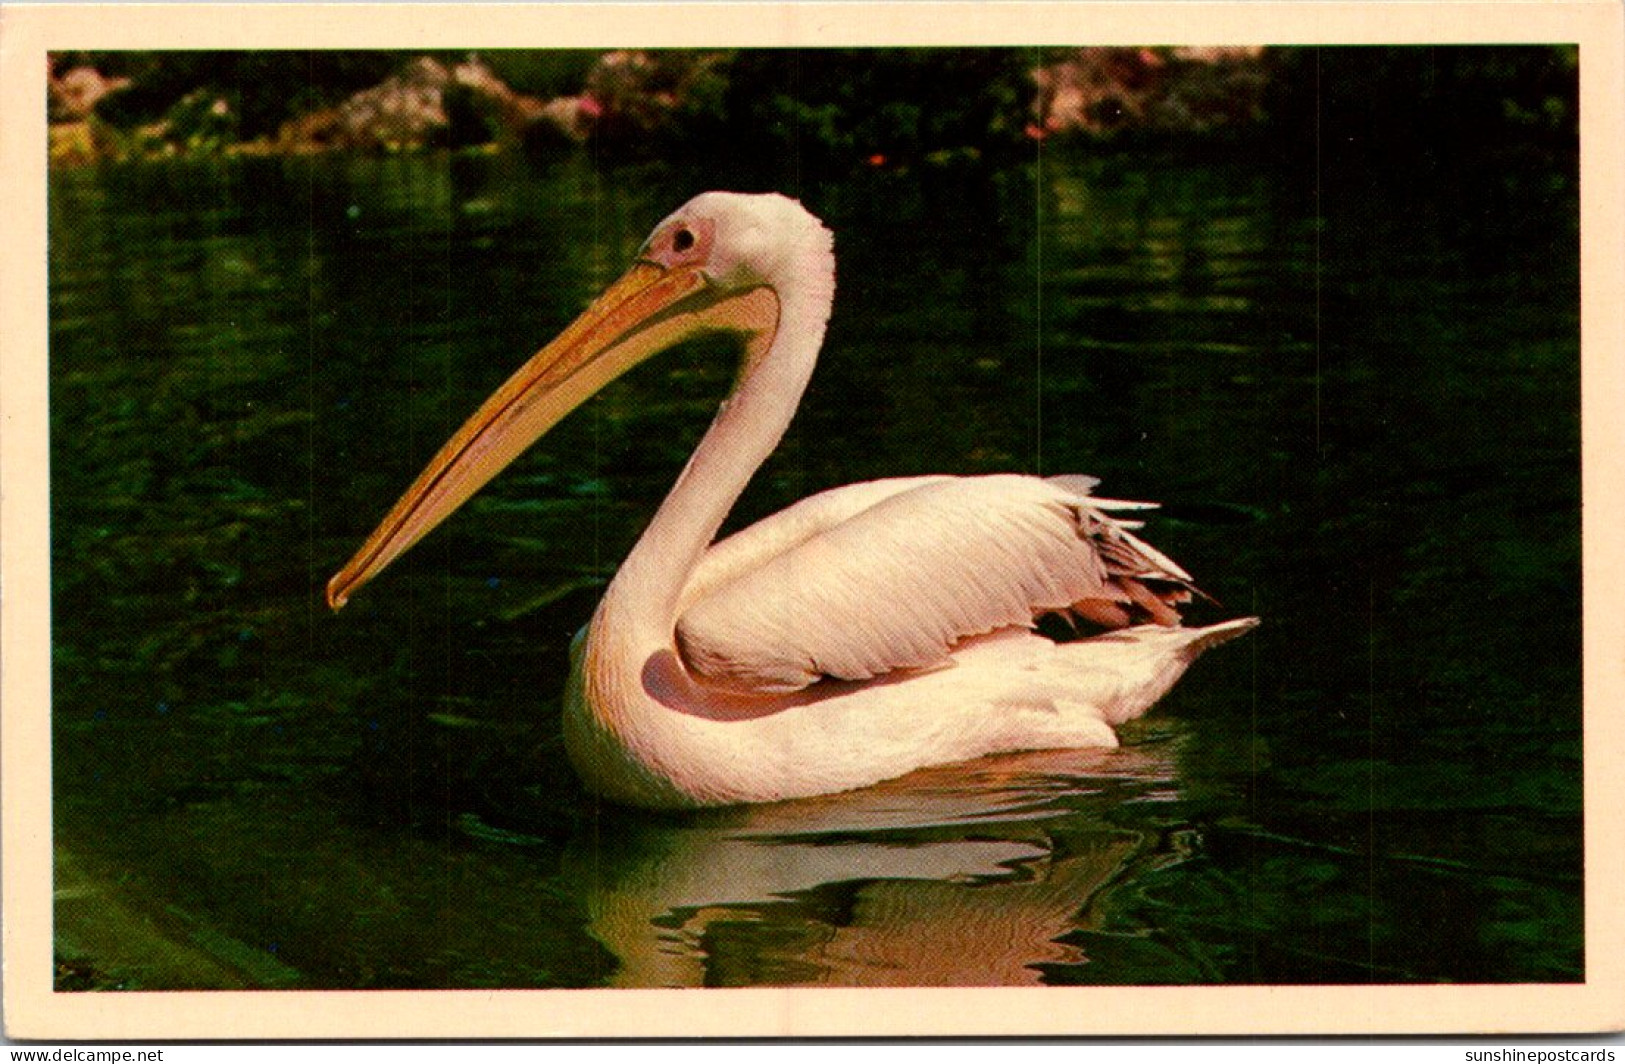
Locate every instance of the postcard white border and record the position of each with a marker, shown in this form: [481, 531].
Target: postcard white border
[34, 1011]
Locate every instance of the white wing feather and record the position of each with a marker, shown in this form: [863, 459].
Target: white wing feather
[777, 533]
[894, 575]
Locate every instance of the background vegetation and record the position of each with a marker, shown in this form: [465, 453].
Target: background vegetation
[827, 110]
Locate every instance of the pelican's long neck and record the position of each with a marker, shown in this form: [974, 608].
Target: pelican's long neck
[748, 426]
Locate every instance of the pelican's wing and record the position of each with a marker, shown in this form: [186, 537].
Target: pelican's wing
[898, 582]
[792, 526]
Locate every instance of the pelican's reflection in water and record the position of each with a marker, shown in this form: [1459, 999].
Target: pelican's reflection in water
[966, 875]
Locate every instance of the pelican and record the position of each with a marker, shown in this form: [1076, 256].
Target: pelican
[856, 636]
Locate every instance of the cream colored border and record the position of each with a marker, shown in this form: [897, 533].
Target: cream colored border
[33, 1011]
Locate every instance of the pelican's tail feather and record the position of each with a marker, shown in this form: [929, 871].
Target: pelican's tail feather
[1204, 639]
[1076, 483]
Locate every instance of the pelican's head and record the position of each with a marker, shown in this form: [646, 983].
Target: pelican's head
[724, 262]
[738, 241]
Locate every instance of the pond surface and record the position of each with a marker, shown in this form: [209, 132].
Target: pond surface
[1356, 395]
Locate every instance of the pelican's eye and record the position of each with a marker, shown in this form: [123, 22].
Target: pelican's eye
[683, 242]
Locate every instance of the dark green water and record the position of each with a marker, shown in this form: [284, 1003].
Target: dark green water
[1356, 394]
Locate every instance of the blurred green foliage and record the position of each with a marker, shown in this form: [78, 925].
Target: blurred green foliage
[1504, 99]
[264, 88]
[896, 105]
[542, 73]
[818, 111]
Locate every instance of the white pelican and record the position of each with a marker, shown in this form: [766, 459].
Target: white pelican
[858, 635]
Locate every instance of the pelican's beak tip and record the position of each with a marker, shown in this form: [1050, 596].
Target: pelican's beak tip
[336, 595]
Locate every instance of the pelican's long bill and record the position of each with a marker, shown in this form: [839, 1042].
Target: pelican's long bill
[650, 308]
